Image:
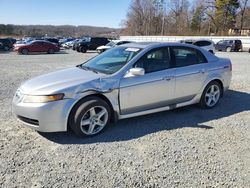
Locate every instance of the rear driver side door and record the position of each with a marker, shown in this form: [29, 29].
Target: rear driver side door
[191, 72]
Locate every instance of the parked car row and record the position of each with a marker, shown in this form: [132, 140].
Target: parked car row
[102, 44]
[222, 45]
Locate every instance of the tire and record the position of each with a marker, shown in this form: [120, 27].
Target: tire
[25, 51]
[51, 51]
[78, 49]
[211, 95]
[83, 49]
[249, 51]
[84, 119]
[6, 48]
[229, 49]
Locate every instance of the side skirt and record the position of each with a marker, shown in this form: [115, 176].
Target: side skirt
[170, 107]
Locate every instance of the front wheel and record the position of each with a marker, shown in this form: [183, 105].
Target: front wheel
[211, 95]
[25, 51]
[6, 48]
[229, 49]
[90, 117]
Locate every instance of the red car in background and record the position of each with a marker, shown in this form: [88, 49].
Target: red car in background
[37, 46]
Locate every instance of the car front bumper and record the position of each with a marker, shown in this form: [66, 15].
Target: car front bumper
[44, 117]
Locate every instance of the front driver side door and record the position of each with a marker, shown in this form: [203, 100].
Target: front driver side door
[153, 90]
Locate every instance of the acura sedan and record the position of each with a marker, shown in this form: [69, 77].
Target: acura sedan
[127, 81]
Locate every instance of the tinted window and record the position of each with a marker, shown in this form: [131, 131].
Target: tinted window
[238, 42]
[183, 56]
[202, 43]
[155, 60]
[221, 42]
[37, 43]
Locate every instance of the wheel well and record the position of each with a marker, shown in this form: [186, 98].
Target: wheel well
[114, 116]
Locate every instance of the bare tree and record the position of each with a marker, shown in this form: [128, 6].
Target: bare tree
[243, 6]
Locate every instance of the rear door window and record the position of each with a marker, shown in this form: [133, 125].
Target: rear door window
[185, 56]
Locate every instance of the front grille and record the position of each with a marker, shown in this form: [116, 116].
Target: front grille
[28, 120]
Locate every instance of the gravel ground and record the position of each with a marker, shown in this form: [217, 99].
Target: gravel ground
[186, 147]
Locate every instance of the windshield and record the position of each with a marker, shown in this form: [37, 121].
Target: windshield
[112, 60]
[111, 44]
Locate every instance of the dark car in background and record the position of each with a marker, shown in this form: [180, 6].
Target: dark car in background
[37, 46]
[229, 45]
[76, 42]
[7, 44]
[91, 44]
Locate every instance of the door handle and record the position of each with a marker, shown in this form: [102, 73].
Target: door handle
[168, 78]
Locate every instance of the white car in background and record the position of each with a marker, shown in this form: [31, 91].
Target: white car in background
[111, 44]
[202, 43]
[69, 44]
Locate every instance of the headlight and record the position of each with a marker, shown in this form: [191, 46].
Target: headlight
[42, 99]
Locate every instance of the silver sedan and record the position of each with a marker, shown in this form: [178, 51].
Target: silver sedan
[127, 81]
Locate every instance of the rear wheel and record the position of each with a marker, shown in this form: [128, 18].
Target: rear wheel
[90, 117]
[25, 51]
[51, 51]
[83, 49]
[211, 95]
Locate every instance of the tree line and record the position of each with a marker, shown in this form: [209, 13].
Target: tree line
[182, 17]
[50, 30]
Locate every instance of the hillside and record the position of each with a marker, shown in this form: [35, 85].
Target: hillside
[51, 30]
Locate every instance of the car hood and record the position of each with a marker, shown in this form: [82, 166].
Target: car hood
[103, 47]
[19, 45]
[58, 81]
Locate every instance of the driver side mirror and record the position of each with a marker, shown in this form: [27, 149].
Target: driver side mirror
[135, 72]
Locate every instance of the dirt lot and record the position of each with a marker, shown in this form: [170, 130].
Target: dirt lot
[187, 147]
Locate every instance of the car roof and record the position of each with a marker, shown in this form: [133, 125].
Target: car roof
[197, 40]
[42, 41]
[144, 45]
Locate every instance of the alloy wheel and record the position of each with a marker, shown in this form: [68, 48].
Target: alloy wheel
[94, 120]
[212, 95]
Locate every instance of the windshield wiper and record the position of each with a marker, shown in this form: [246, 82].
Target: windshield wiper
[87, 68]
